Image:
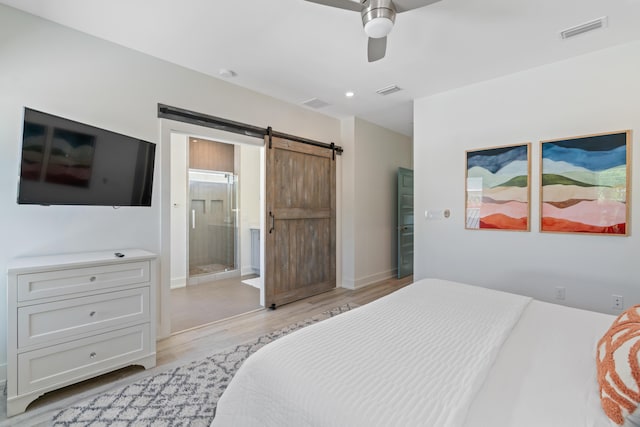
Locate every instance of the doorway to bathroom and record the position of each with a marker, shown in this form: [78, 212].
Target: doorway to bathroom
[215, 214]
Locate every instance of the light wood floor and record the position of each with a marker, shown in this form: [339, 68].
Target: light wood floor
[224, 334]
[210, 339]
[197, 305]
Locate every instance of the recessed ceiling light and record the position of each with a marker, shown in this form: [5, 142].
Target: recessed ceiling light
[349, 94]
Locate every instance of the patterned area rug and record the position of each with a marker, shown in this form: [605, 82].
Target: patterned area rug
[183, 396]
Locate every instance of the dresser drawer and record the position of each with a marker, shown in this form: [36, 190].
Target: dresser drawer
[33, 286]
[76, 360]
[41, 323]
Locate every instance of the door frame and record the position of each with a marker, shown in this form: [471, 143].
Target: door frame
[163, 176]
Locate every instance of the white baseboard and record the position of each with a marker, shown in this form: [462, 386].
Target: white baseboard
[178, 282]
[368, 280]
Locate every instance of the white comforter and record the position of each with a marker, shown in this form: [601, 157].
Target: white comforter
[414, 358]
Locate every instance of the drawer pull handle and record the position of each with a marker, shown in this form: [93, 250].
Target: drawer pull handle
[92, 279]
[93, 355]
[93, 313]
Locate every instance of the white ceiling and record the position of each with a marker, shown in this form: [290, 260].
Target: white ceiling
[296, 50]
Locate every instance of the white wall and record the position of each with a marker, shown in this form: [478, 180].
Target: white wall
[54, 69]
[347, 228]
[249, 188]
[372, 157]
[179, 193]
[593, 93]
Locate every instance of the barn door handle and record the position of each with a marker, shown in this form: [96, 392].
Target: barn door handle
[273, 222]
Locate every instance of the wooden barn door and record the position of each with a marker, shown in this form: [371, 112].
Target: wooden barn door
[300, 244]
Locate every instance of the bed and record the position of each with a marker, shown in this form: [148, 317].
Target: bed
[435, 353]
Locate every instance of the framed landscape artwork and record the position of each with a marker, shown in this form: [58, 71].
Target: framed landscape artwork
[584, 184]
[497, 188]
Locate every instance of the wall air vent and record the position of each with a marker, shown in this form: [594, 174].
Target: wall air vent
[583, 28]
[388, 90]
[315, 103]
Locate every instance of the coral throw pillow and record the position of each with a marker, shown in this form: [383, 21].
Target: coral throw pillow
[618, 368]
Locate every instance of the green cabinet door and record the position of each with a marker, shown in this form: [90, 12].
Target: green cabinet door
[405, 222]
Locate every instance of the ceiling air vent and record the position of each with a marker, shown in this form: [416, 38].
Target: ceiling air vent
[583, 28]
[388, 90]
[315, 103]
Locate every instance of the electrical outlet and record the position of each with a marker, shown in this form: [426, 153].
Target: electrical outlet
[617, 302]
[560, 292]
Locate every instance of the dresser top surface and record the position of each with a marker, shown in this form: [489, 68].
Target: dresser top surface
[80, 259]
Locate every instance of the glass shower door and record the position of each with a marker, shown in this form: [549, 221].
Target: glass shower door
[213, 223]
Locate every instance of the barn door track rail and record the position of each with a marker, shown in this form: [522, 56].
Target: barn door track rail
[200, 119]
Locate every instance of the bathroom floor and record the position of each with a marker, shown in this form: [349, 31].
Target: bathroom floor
[204, 303]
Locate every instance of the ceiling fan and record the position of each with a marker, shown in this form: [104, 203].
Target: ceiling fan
[378, 17]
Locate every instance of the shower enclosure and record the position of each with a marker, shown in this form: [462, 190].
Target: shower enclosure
[213, 225]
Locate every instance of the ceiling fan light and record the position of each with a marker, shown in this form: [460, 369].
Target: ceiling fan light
[378, 27]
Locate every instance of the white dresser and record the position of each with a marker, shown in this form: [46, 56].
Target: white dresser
[76, 316]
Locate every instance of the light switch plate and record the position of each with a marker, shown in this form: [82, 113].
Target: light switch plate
[435, 214]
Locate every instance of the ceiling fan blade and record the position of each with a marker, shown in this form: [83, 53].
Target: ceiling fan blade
[377, 48]
[405, 5]
[340, 4]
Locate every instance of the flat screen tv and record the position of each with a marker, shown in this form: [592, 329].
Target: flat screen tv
[64, 162]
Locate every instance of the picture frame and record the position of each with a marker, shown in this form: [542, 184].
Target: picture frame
[585, 184]
[497, 188]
